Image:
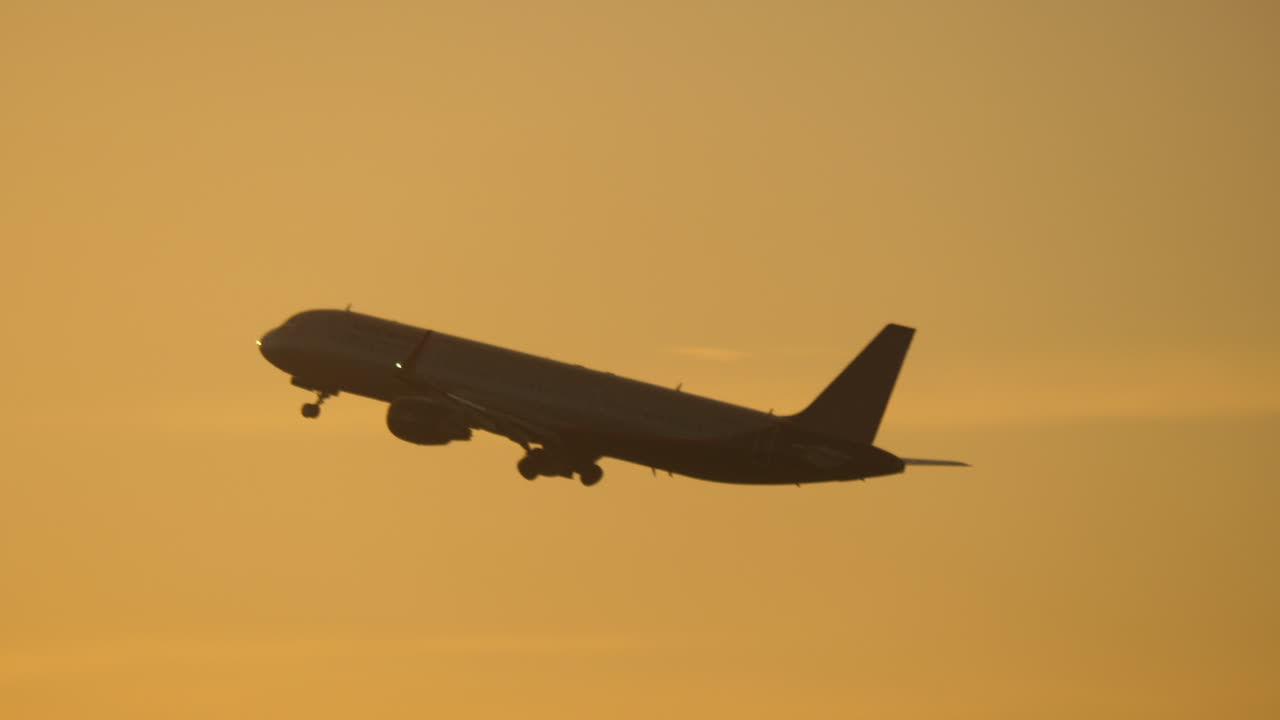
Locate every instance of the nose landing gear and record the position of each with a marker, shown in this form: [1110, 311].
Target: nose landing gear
[312, 410]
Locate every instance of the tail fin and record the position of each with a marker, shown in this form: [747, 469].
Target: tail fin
[852, 405]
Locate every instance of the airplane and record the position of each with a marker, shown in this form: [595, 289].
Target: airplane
[440, 387]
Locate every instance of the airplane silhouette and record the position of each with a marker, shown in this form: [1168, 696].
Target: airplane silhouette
[567, 417]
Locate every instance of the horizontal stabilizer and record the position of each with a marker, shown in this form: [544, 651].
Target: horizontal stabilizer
[921, 461]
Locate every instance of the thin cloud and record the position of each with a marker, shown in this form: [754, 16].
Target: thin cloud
[201, 649]
[1090, 386]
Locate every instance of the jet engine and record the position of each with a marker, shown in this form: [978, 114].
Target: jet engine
[423, 422]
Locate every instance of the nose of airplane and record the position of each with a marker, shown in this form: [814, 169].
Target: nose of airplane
[269, 345]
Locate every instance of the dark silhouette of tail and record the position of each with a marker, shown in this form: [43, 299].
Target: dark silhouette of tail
[852, 405]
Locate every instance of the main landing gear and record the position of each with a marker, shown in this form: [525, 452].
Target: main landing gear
[590, 475]
[541, 461]
[312, 410]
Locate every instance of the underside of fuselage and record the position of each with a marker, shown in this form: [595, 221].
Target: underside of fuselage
[774, 455]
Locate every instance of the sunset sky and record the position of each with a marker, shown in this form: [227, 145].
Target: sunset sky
[1076, 203]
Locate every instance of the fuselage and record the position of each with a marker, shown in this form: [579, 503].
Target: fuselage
[588, 413]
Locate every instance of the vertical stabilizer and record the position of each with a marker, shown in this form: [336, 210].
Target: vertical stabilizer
[852, 405]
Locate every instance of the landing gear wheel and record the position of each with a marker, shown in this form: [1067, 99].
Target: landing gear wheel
[533, 464]
[527, 469]
[590, 476]
[312, 410]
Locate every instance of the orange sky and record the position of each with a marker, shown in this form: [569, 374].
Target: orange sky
[1075, 205]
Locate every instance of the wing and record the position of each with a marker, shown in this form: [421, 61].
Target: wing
[521, 431]
[476, 414]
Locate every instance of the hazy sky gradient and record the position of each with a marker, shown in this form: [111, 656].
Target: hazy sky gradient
[1075, 203]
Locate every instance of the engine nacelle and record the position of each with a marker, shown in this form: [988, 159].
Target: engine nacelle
[423, 422]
